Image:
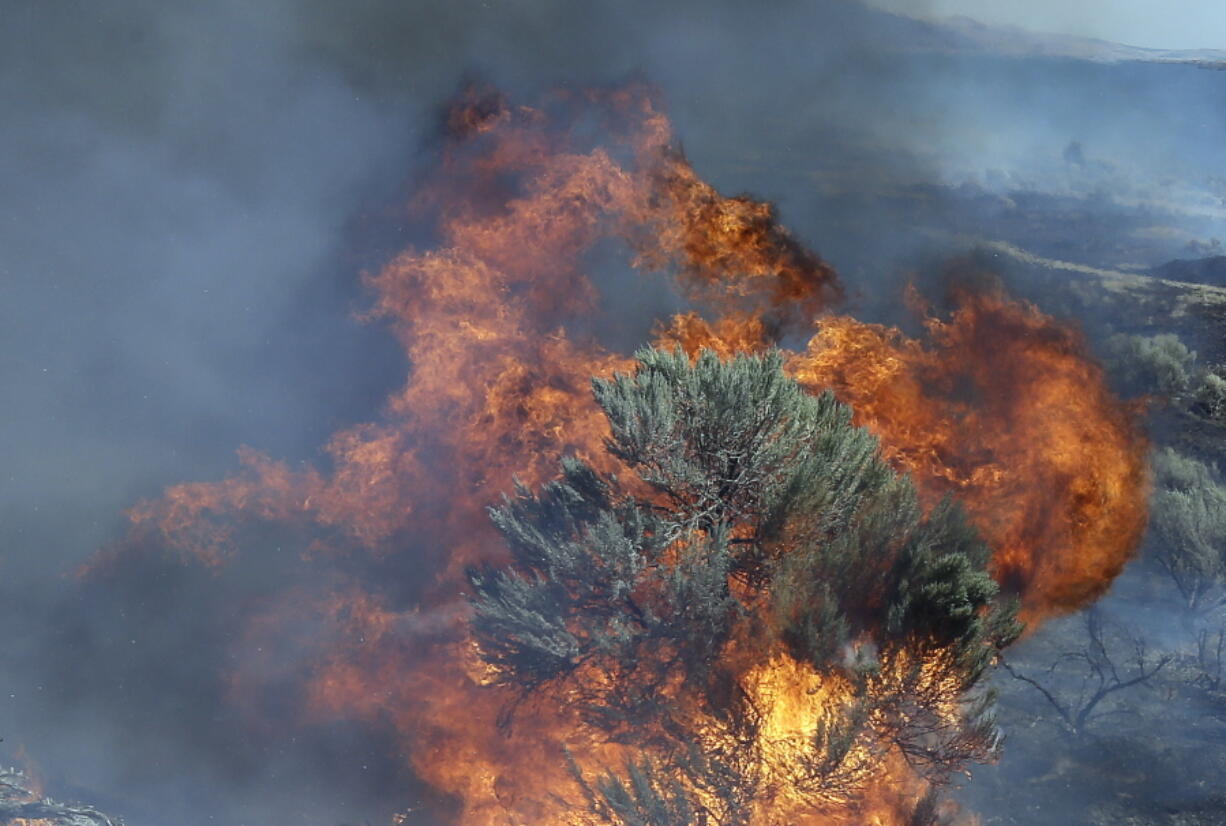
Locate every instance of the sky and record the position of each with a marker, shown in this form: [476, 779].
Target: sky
[1157, 24]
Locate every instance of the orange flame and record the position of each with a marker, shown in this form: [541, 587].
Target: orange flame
[1000, 405]
[1003, 407]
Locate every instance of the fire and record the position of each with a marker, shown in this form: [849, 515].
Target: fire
[998, 404]
[1002, 407]
[21, 787]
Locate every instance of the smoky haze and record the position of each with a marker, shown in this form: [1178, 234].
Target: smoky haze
[192, 191]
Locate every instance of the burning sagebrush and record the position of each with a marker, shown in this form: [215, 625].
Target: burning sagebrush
[765, 626]
[822, 684]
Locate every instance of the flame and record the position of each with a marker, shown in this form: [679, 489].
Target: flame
[23, 787]
[998, 404]
[1003, 407]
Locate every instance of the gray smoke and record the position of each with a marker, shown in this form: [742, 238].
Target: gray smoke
[190, 192]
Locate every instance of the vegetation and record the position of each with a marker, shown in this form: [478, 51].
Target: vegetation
[1189, 524]
[1077, 682]
[755, 523]
[1162, 366]
[1157, 365]
[21, 804]
[1143, 702]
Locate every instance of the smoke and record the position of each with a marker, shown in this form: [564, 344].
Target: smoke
[177, 190]
[190, 194]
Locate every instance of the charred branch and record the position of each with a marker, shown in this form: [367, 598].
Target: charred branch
[1077, 682]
